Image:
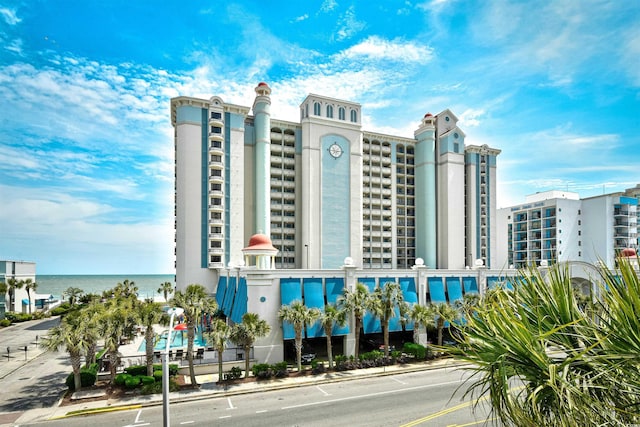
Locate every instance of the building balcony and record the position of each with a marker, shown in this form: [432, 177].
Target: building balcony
[215, 150]
[216, 179]
[216, 122]
[216, 236]
[216, 208]
[216, 251]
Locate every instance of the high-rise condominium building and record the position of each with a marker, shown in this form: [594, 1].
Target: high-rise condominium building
[324, 189]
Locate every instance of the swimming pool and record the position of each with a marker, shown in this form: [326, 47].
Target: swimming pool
[178, 340]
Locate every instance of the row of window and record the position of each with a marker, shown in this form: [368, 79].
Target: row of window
[329, 112]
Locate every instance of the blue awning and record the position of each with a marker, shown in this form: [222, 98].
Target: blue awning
[408, 286]
[314, 298]
[470, 284]
[454, 289]
[227, 303]
[240, 302]
[335, 289]
[290, 291]
[492, 281]
[394, 322]
[25, 301]
[370, 323]
[436, 290]
[221, 289]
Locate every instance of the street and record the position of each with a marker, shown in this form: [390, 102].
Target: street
[418, 398]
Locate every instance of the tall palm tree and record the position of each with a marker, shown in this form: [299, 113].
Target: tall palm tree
[331, 316]
[126, 289]
[70, 335]
[422, 316]
[299, 315]
[30, 285]
[356, 302]
[91, 317]
[149, 313]
[383, 303]
[247, 332]
[218, 336]
[443, 313]
[12, 285]
[573, 368]
[118, 322]
[72, 294]
[195, 302]
[165, 289]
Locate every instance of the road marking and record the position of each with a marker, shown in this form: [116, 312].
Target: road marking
[437, 414]
[187, 422]
[138, 420]
[475, 423]
[362, 396]
[230, 404]
[261, 412]
[224, 416]
[397, 380]
[322, 391]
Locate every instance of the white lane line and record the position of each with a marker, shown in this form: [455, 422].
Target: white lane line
[138, 420]
[362, 396]
[187, 422]
[261, 412]
[322, 391]
[230, 404]
[398, 381]
[224, 416]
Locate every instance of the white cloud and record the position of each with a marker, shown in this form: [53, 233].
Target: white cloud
[348, 25]
[328, 5]
[9, 16]
[471, 117]
[375, 48]
[301, 18]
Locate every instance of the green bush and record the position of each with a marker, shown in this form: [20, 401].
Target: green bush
[262, 370]
[120, 379]
[5, 322]
[156, 387]
[63, 308]
[15, 317]
[317, 367]
[41, 315]
[234, 374]
[417, 350]
[157, 375]
[281, 369]
[173, 368]
[144, 379]
[136, 370]
[132, 382]
[88, 378]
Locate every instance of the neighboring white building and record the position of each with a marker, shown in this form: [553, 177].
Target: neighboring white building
[558, 226]
[19, 270]
[323, 189]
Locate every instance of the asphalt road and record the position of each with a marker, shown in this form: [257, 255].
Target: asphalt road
[418, 398]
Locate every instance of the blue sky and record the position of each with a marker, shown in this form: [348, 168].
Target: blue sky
[86, 148]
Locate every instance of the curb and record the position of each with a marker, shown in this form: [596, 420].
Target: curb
[222, 393]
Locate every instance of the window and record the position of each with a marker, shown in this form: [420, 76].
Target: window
[330, 111]
[216, 129]
[341, 113]
[456, 147]
[216, 115]
[316, 108]
[354, 116]
[579, 222]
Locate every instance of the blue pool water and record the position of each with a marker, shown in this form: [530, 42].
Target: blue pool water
[178, 340]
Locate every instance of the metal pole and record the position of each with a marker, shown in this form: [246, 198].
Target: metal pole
[166, 422]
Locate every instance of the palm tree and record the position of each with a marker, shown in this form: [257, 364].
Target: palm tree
[383, 303]
[117, 322]
[247, 332]
[195, 302]
[299, 315]
[12, 285]
[573, 368]
[126, 289]
[72, 294]
[30, 285]
[331, 316]
[356, 302]
[165, 289]
[70, 334]
[218, 336]
[443, 313]
[3, 291]
[91, 317]
[422, 316]
[149, 313]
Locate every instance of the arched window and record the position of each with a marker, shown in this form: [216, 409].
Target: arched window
[341, 113]
[316, 108]
[306, 110]
[330, 111]
[354, 116]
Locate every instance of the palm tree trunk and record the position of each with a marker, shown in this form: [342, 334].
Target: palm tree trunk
[190, 337]
[357, 332]
[75, 357]
[148, 336]
[246, 360]
[220, 365]
[91, 353]
[298, 332]
[416, 332]
[329, 351]
[385, 335]
[440, 328]
[114, 361]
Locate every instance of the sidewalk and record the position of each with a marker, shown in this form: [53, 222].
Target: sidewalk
[16, 337]
[209, 389]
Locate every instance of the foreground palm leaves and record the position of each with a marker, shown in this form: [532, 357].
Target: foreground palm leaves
[543, 359]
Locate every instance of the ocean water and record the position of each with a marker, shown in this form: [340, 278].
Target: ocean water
[147, 284]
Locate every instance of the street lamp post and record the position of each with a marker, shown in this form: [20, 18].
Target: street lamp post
[307, 250]
[166, 422]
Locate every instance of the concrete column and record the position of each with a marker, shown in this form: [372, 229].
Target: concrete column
[262, 125]
[349, 341]
[425, 182]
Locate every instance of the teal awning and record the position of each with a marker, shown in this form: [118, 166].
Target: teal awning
[25, 301]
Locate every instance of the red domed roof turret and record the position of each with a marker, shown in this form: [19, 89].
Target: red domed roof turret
[260, 241]
[428, 115]
[628, 252]
[262, 84]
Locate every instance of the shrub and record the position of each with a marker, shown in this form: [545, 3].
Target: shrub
[281, 369]
[144, 379]
[88, 378]
[317, 367]
[417, 350]
[173, 369]
[41, 315]
[120, 379]
[63, 308]
[15, 317]
[234, 374]
[132, 382]
[156, 387]
[262, 370]
[136, 370]
[5, 322]
[157, 375]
